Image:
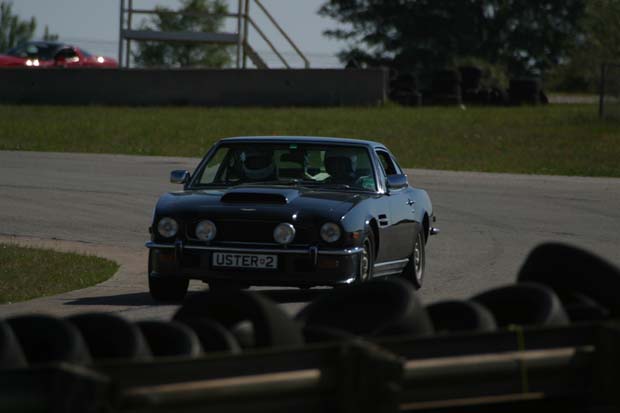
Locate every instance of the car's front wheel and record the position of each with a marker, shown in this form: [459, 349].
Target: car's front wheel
[367, 258]
[414, 271]
[166, 289]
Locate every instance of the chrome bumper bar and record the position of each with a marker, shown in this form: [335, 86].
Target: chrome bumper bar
[311, 250]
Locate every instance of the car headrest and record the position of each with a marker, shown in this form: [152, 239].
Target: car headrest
[11, 354]
[109, 336]
[567, 269]
[271, 327]
[377, 308]
[212, 335]
[339, 166]
[296, 157]
[524, 304]
[170, 339]
[47, 339]
[457, 315]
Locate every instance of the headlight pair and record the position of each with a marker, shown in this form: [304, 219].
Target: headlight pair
[284, 233]
[205, 230]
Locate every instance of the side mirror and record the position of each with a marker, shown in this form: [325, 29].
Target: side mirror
[398, 181]
[179, 177]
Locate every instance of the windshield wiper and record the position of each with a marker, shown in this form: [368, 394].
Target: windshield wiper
[341, 186]
[292, 181]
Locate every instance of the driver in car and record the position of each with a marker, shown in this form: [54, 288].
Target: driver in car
[258, 166]
[341, 166]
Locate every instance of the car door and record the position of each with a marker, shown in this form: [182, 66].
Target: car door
[401, 213]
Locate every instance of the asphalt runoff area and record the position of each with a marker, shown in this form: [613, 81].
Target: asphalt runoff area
[102, 204]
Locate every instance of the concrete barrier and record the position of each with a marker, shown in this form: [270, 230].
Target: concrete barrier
[231, 87]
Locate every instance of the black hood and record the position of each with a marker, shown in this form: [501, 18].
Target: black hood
[259, 202]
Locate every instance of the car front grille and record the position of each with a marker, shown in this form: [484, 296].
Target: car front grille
[253, 231]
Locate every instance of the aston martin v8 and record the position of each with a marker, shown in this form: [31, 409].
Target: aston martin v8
[289, 211]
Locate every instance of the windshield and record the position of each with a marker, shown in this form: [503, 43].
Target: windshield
[41, 51]
[345, 167]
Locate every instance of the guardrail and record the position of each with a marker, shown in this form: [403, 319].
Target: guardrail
[572, 367]
[144, 87]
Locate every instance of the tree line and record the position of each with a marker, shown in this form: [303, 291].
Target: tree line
[559, 40]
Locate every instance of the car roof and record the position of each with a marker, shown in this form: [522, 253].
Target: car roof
[45, 43]
[303, 139]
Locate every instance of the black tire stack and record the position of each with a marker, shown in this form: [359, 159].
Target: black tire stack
[526, 91]
[404, 90]
[446, 87]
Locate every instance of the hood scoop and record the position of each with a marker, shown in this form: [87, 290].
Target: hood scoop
[254, 198]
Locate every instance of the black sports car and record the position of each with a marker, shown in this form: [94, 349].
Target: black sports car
[289, 211]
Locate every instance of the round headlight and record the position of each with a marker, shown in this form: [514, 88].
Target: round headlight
[284, 233]
[330, 232]
[205, 230]
[167, 227]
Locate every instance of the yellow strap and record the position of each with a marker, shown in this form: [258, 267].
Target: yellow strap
[518, 330]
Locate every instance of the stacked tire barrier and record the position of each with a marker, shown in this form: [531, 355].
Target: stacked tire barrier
[550, 341]
[463, 85]
[446, 87]
[526, 91]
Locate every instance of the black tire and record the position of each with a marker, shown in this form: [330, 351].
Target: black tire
[11, 354]
[379, 308]
[526, 304]
[109, 336]
[166, 289]
[571, 271]
[45, 339]
[367, 258]
[271, 325]
[458, 315]
[416, 267]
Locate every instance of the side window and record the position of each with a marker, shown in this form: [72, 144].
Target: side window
[399, 170]
[389, 168]
[67, 54]
[215, 170]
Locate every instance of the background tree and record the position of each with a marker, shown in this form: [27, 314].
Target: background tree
[14, 31]
[49, 37]
[161, 54]
[526, 36]
[599, 42]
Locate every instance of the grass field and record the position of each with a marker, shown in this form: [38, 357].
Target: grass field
[556, 139]
[27, 273]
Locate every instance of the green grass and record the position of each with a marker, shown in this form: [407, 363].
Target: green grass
[555, 139]
[27, 273]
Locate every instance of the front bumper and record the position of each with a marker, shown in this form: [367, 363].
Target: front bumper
[301, 267]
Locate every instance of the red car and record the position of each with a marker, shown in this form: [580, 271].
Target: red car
[53, 54]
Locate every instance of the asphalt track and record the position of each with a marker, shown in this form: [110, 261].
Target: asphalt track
[102, 204]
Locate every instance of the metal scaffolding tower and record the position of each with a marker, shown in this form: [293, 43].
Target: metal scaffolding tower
[240, 38]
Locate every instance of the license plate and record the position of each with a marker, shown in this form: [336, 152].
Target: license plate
[235, 260]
